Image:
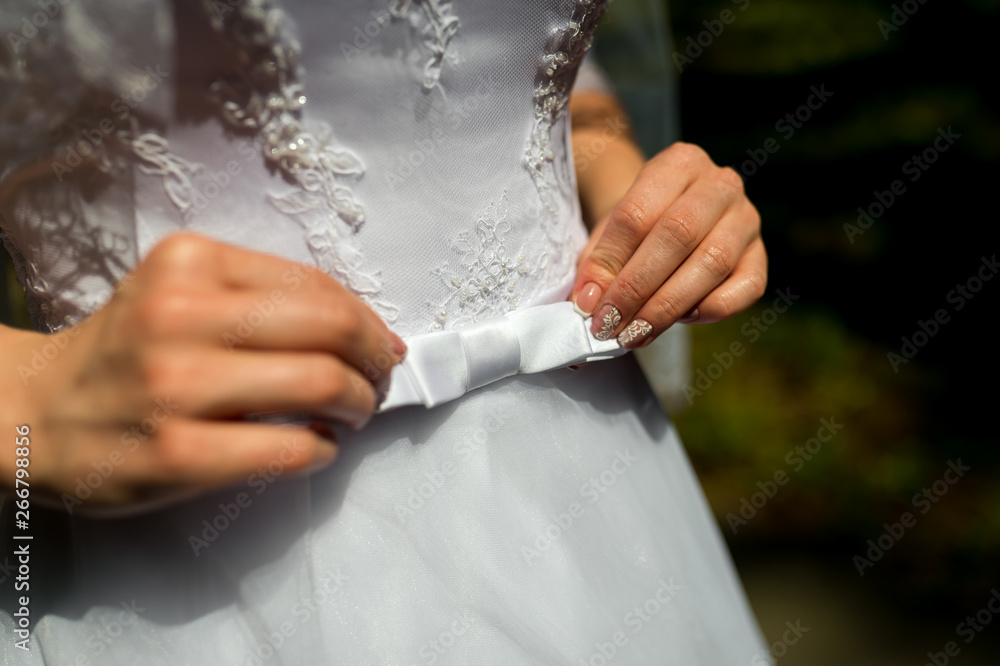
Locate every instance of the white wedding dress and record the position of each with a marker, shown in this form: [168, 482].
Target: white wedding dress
[418, 151]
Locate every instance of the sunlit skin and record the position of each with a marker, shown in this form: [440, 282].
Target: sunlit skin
[673, 238]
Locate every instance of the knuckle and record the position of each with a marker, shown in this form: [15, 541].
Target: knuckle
[178, 249]
[718, 260]
[328, 382]
[631, 216]
[665, 311]
[162, 312]
[340, 319]
[682, 227]
[725, 306]
[163, 373]
[731, 179]
[685, 152]
[629, 291]
[175, 451]
[758, 284]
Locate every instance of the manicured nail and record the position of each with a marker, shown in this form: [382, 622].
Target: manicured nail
[606, 321]
[398, 346]
[690, 317]
[635, 333]
[587, 299]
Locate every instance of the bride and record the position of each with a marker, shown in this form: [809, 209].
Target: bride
[261, 236]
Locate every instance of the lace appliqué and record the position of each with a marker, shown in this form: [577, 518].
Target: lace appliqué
[556, 72]
[175, 171]
[93, 252]
[487, 284]
[269, 102]
[440, 25]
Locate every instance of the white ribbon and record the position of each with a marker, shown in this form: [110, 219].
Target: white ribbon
[446, 365]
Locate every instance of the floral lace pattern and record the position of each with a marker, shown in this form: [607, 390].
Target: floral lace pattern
[268, 101]
[91, 252]
[488, 284]
[440, 25]
[556, 72]
[175, 171]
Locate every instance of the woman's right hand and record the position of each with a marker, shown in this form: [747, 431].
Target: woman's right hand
[152, 386]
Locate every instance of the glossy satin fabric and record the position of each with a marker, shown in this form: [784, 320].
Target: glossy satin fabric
[501, 510]
[443, 366]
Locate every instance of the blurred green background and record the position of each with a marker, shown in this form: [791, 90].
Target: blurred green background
[826, 357]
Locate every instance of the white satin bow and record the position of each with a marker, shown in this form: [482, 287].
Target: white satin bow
[446, 365]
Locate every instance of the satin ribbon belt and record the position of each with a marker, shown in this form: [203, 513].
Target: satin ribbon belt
[446, 365]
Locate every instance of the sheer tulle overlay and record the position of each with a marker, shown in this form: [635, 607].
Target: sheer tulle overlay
[417, 150]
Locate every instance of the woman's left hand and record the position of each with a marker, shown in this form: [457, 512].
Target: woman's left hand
[682, 245]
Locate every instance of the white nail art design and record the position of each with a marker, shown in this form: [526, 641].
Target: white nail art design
[638, 329]
[611, 321]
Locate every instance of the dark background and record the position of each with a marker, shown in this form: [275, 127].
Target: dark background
[827, 356]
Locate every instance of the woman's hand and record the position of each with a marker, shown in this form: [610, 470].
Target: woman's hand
[147, 395]
[683, 244]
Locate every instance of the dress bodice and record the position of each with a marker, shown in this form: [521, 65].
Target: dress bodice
[416, 150]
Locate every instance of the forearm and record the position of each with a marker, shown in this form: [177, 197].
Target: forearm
[606, 157]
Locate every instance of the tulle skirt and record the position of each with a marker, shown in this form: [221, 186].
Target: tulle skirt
[543, 519]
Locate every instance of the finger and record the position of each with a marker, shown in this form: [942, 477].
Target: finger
[668, 242]
[742, 288]
[707, 267]
[662, 180]
[206, 453]
[213, 383]
[327, 321]
[187, 257]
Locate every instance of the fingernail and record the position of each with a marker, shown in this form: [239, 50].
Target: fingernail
[606, 321]
[587, 299]
[690, 317]
[326, 453]
[635, 333]
[398, 346]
